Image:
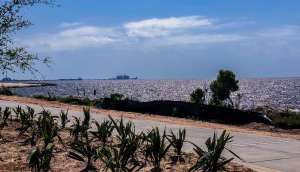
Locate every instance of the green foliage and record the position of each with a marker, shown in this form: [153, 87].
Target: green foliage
[50, 98]
[41, 160]
[80, 127]
[197, 96]
[117, 160]
[124, 131]
[116, 96]
[212, 160]
[223, 86]
[6, 115]
[83, 149]
[174, 111]
[87, 117]
[64, 118]
[18, 111]
[39, 96]
[286, 118]
[6, 91]
[48, 127]
[74, 103]
[215, 102]
[156, 147]
[177, 141]
[14, 59]
[68, 99]
[104, 130]
[87, 102]
[76, 128]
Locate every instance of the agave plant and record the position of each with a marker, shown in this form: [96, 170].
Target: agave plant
[212, 160]
[41, 160]
[30, 113]
[87, 117]
[75, 129]
[83, 151]
[64, 118]
[124, 131]
[6, 115]
[156, 147]
[177, 140]
[18, 111]
[104, 130]
[117, 160]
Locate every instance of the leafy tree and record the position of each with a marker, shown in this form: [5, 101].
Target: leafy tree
[116, 96]
[223, 86]
[12, 21]
[197, 96]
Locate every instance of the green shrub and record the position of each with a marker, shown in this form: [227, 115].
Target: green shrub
[197, 96]
[223, 86]
[6, 91]
[74, 103]
[39, 96]
[68, 99]
[212, 160]
[286, 118]
[87, 102]
[116, 96]
[50, 98]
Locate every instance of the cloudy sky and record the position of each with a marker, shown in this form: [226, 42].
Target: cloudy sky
[166, 39]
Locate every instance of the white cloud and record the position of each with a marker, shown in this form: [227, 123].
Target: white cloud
[82, 37]
[164, 27]
[201, 38]
[70, 24]
[90, 30]
[283, 32]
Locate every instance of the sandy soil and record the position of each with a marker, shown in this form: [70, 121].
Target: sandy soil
[19, 85]
[252, 128]
[15, 150]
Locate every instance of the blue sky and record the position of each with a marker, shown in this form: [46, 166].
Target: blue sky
[164, 39]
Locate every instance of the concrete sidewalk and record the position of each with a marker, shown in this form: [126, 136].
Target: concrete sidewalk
[261, 153]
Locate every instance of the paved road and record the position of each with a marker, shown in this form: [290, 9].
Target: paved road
[260, 152]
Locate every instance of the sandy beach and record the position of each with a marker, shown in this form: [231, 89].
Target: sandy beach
[18, 85]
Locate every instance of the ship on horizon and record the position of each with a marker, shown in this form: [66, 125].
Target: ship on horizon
[123, 77]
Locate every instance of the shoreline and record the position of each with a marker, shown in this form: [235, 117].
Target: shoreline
[252, 128]
[22, 85]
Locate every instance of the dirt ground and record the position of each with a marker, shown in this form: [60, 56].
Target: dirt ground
[15, 150]
[252, 128]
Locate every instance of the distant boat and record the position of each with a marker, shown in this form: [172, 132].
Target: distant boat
[70, 79]
[123, 77]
